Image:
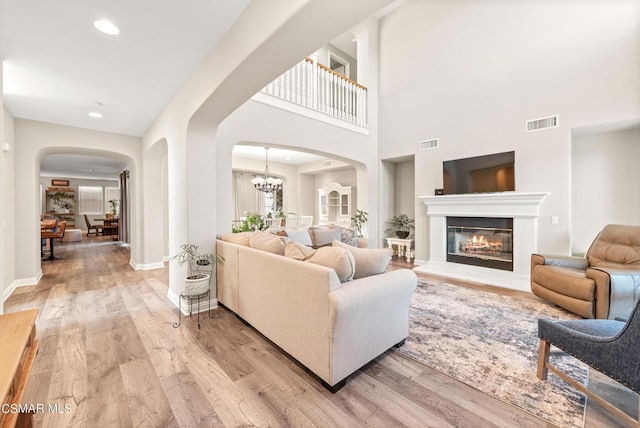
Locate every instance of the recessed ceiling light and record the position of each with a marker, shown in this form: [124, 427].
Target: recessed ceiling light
[106, 27]
[95, 114]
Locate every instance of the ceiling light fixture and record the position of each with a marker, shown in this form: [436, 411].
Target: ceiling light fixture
[267, 184]
[95, 115]
[106, 27]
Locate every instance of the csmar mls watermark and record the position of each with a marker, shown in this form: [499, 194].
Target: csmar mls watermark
[36, 408]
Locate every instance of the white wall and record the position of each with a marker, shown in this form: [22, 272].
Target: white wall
[404, 189]
[34, 140]
[251, 167]
[471, 73]
[606, 184]
[322, 55]
[7, 204]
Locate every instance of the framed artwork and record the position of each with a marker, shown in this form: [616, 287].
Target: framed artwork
[59, 182]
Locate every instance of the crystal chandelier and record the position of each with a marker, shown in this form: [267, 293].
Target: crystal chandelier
[267, 184]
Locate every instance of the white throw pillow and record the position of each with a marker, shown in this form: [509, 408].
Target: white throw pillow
[338, 259]
[299, 234]
[265, 241]
[369, 261]
[298, 251]
[324, 236]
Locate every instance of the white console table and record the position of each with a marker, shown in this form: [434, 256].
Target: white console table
[404, 246]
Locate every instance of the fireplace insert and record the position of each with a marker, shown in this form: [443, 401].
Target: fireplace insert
[480, 241]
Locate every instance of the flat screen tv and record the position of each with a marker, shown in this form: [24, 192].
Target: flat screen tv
[480, 174]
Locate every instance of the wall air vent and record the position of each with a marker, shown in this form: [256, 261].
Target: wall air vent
[326, 164]
[543, 123]
[428, 144]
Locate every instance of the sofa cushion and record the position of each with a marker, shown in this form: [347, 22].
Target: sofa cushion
[348, 236]
[322, 236]
[369, 261]
[299, 234]
[266, 241]
[241, 238]
[337, 259]
[565, 281]
[298, 251]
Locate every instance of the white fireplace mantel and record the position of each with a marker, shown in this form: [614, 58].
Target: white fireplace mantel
[523, 207]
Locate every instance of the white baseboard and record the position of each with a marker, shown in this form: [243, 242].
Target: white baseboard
[204, 304]
[477, 274]
[420, 262]
[23, 282]
[146, 266]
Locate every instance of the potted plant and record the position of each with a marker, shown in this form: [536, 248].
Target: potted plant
[253, 221]
[360, 222]
[65, 206]
[59, 200]
[201, 267]
[401, 225]
[113, 204]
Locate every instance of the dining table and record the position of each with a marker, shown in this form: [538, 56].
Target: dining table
[110, 226]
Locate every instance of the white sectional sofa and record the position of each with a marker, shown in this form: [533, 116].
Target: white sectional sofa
[332, 328]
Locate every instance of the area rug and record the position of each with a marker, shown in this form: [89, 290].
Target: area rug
[489, 341]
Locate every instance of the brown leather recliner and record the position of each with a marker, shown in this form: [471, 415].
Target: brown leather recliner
[603, 284]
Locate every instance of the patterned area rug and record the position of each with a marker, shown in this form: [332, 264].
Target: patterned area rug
[489, 341]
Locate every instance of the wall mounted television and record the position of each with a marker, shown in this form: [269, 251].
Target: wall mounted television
[480, 174]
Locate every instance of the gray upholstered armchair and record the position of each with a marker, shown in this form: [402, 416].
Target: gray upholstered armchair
[604, 284]
[609, 346]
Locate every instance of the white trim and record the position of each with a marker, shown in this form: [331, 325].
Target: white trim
[146, 266]
[475, 274]
[291, 107]
[338, 58]
[204, 304]
[505, 204]
[24, 282]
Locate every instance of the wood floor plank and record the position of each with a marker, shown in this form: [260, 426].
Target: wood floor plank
[148, 404]
[108, 348]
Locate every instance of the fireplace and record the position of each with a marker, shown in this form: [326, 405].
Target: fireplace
[480, 241]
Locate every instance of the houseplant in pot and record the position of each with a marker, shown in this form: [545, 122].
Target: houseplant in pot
[201, 267]
[401, 225]
[360, 222]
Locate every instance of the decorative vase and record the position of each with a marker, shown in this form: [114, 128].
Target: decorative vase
[196, 284]
[402, 234]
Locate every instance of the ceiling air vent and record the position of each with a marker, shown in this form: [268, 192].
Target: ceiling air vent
[543, 123]
[428, 144]
[326, 164]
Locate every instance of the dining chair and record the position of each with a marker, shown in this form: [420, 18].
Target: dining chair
[97, 229]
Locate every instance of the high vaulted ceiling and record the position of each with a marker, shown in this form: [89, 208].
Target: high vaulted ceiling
[57, 66]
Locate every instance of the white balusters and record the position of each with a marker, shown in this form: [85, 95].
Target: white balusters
[315, 86]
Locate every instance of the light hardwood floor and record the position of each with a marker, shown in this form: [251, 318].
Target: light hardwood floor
[108, 349]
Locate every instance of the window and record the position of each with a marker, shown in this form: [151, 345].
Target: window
[112, 194]
[90, 200]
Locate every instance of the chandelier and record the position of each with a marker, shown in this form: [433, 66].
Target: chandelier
[267, 184]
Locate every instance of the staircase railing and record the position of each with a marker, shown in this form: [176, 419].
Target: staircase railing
[316, 86]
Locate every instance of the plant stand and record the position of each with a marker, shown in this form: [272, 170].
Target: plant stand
[190, 298]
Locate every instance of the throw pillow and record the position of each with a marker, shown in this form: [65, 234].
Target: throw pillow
[348, 236]
[241, 238]
[338, 259]
[322, 236]
[369, 261]
[300, 235]
[265, 241]
[298, 251]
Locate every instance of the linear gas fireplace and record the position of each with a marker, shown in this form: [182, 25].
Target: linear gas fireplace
[480, 241]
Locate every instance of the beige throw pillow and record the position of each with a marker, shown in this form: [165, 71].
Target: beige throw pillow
[266, 241]
[298, 251]
[241, 238]
[369, 261]
[338, 259]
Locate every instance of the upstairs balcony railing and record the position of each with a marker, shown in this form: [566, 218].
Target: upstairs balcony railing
[316, 86]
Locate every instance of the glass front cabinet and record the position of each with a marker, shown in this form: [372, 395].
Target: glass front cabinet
[335, 204]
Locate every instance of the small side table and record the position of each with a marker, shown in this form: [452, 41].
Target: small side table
[404, 246]
[190, 298]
